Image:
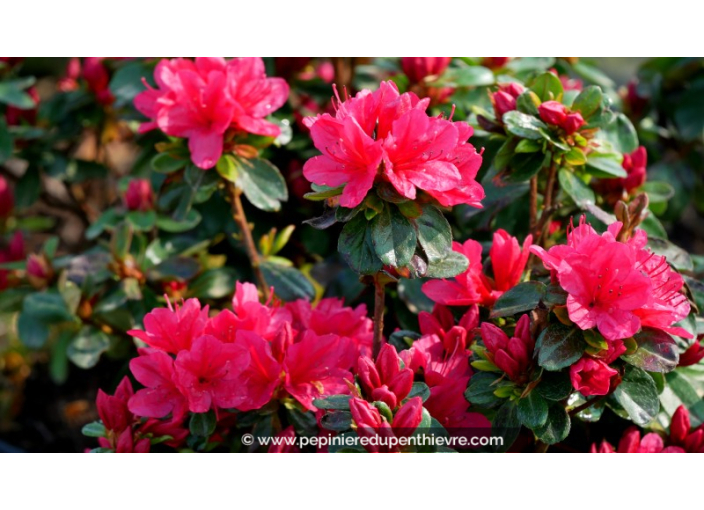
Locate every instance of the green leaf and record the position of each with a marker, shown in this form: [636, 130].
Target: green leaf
[525, 166]
[7, 144]
[94, 429]
[621, 134]
[521, 298]
[169, 224]
[638, 395]
[126, 82]
[334, 402]
[455, 263]
[39, 311]
[165, 163]
[32, 332]
[575, 157]
[679, 390]
[262, 183]
[526, 146]
[227, 167]
[181, 268]
[533, 410]
[469, 76]
[107, 220]
[86, 348]
[323, 195]
[355, 246]
[658, 191]
[556, 427]
[555, 386]
[419, 389]
[506, 424]
[575, 188]
[601, 166]
[480, 391]
[394, 237]
[12, 93]
[213, 283]
[528, 103]
[434, 234]
[588, 102]
[202, 424]
[676, 256]
[338, 421]
[548, 87]
[27, 188]
[142, 221]
[559, 346]
[525, 126]
[289, 283]
[657, 351]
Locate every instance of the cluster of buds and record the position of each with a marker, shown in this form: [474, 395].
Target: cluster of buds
[385, 381]
[504, 99]
[557, 114]
[514, 355]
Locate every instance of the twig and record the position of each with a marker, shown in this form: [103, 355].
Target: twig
[241, 220]
[379, 295]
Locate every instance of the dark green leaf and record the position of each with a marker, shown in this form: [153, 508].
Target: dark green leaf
[480, 391]
[658, 191]
[506, 424]
[165, 163]
[338, 421]
[126, 82]
[657, 351]
[419, 389]
[213, 283]
[94, 429]
[336, 402]
[394, 237]
[533, 410]
[559, 346]
[12, 93]
[142, 220]
[555, 386]
[621, 134]
[525, 166]
[434, 234]
[676, 256]
[638, 395]
[28, 188]
[169, 224]
[556, 427]
[6, 142]
[107, 220]
[203, 424]
[86, 348]
[521, 298]
[355, 246]
[323, 195]
[262, 183]
[588, 102]
[288, 282]
[523, 125]
[455, 263]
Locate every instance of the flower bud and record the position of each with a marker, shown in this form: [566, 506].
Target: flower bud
[39, 270]
[572, 123]
[417, 68]
[139, 195]
[592, 377]
[553, 112]
[7, 199]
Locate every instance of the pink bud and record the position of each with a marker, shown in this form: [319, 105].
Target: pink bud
[680, 425]
[494, 337]
[139, 195]
[630, 441]
[387, 363]
[505, 362]
[402, 384]
[503, 102]
[553, 112]
[383, 394]
[364, 414]
[368, 375]
[417, 68]
[7, 199]
[572, 123]
[408, 417]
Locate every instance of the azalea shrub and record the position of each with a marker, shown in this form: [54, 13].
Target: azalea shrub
[418, 254]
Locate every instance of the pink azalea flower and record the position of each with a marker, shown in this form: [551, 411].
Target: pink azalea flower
[173, 329]
[161, 395]
[417, 151]
[202, 99]
[616, 287]
[330, 316]
[369, 422]
[592, 376]
[206, 374]
[508, 261]
[113, 410]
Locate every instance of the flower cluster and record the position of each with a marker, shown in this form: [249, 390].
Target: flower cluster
[204, 99]
[388, 136]
[514, 356]
[681, 439]
[95, 74]
[244, 357]
[557, 114]
[616, 287]
[508, 261]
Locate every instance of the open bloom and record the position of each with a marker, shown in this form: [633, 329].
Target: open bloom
[616, 287]
[592, 376]
[202, 99]
[508, 260]
[389, 136]
[512, 355]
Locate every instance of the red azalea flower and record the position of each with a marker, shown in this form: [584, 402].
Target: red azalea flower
[173, 329]
[592, 376]
[206, 374]
[693, 355]
[417, 151]
[330, 316]
[508, 261]
[512, 355]
[384, 380]
[202, 99]
[616, 287]
[161, 396]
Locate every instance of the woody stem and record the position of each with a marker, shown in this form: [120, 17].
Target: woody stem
[252, 253]
[379, 295]
[548, 208]
[586, 405]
